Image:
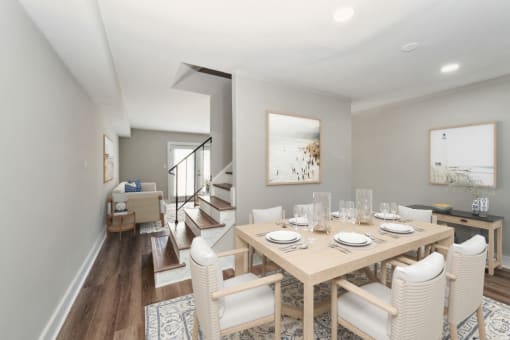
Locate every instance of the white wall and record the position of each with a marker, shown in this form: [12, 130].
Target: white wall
[52, 194]
[390, 146]
[144, 155]
[220, 90]
[251, 99]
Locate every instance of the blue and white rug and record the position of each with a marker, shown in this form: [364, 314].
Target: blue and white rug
[173, 319]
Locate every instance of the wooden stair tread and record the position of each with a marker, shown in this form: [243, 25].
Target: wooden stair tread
[216, 202]
[183, 236]
[201, 219]
[225, 186]
[229, 172]
[164, 256]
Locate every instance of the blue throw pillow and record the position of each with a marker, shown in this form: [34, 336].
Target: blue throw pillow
[130, 187]
[138, 185]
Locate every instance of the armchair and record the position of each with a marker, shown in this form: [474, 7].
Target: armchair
[227, 306]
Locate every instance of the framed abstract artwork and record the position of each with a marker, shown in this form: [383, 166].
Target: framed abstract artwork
[108, 160]
[463, 155]
[293, 149]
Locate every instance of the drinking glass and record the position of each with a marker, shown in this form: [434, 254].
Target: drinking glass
[394, 208]
[384, 208]
[322, 208]
[364, 206]
[351, 211]
[341, 210]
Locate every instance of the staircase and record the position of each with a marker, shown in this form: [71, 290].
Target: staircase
[212, 219]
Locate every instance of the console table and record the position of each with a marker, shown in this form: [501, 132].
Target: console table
[493, 225]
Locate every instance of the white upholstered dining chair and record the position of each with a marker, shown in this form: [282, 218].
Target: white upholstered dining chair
[420, 215]
[262, 216]
[226, 306]
[465, 270]
[411, 309]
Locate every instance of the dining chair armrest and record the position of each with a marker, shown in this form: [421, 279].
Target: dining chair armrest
[405, 260]
[246, 286]
[451, 277]
[442, 249]
[370, 298]
[232, 252]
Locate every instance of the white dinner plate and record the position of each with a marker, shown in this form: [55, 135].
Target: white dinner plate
[335, 214]
[397, 228]
[283, 236]
[387, 216]
[352, 239]
[301, 221]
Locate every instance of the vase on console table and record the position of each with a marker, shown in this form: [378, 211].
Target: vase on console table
[475, 207]
[484, 206]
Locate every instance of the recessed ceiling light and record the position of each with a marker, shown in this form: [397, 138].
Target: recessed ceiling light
[409, 47]
[343, 14]
[448, 68]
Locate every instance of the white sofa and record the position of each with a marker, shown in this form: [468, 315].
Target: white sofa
[147, 204]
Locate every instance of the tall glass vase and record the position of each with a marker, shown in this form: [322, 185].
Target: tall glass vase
[364, 205]
[322, 211]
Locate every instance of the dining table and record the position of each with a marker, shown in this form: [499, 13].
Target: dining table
[322, 259]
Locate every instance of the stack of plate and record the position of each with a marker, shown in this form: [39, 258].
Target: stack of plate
[387, 216]
[352, 239]
[397, 228]
[301, 221]
[283, 236]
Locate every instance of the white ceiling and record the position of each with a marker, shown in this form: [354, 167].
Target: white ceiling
[130, 51]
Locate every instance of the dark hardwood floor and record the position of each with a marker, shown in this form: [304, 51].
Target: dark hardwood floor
[111, 303]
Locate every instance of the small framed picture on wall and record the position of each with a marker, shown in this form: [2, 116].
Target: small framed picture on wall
[108, 160]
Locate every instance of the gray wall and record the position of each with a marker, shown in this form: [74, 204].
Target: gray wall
[390, 146]
[252, 98]
[220, 90]
[144, 155]
[52, 196]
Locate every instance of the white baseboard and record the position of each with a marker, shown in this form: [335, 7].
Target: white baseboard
[59, 315]
[506, 262]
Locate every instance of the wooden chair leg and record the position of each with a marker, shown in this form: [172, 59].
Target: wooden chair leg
[384, 272]
[264, 263]
[194, 336]
[453, 331]
[334, 311]
[481, 323]
[250, 259]
[278, 310]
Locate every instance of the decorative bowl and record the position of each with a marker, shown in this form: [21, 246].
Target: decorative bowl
[442, 207]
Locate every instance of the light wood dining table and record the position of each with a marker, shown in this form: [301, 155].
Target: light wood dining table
[320, 263]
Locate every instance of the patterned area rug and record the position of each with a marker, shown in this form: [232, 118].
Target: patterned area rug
[156, 227]
[173, 319]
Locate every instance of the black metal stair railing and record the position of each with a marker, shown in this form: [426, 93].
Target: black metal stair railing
[194, 164]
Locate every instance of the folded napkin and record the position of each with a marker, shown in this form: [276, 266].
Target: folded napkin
[299, 221]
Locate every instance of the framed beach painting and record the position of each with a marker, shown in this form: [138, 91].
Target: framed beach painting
[463, 155]
[108, 160]
[293, 149]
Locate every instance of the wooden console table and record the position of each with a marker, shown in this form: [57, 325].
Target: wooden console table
[493, 225]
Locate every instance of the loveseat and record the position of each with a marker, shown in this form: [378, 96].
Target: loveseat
[148, 204]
